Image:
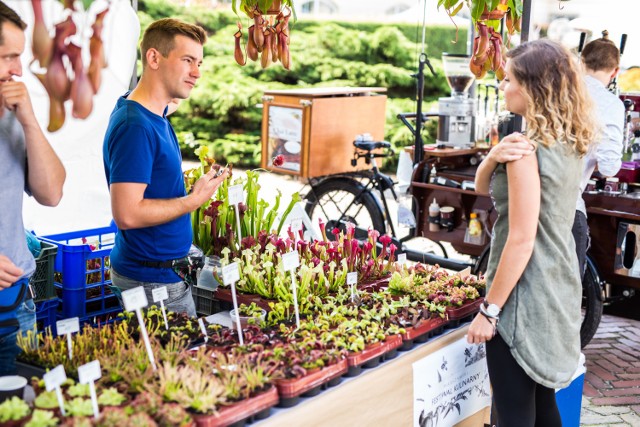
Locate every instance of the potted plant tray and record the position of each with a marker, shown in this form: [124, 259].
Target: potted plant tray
[374, 285]
[224, 294]
[257, 406]
[291, 389]
[372, 355]
[423, 328]
[464, 310]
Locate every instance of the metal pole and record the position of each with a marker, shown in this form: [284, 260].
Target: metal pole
[524, 36]
[418, 152]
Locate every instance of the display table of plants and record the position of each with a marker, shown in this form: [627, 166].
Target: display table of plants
[347, 306]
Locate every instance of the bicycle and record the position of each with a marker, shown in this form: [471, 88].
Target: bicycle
[359, 198]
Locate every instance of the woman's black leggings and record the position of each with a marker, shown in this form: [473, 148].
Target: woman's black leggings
[519, 401]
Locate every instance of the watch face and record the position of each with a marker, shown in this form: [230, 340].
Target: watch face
[493, 310]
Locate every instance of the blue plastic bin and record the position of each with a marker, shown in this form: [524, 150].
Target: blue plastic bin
[82, 272]
[46, 314]
[569, 399]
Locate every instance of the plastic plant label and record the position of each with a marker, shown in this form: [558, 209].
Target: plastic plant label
[296, 224]
[160, 294]
[54, 378]
[236, 194]
[134, 299]
[89, 372]
[68, 326]
[230, 273]
[352, 278]
[402, 259]
[464, 273]
[203, 329]
[291, 260]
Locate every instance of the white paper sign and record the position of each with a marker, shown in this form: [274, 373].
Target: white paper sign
[352, 278]
[160, 294]
[236, 194]
[89, 372]
[402, 259]
[203, 329]
[291, 260]
[134, 299]
[230, 273]
[54, 378]
[68, 326]
[450, 385]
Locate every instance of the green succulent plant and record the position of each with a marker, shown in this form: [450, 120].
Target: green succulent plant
[41, 418]
[13, 409]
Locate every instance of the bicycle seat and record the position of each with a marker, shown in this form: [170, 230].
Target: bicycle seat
[371, 145]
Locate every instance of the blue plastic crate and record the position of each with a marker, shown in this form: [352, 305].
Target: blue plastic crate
[82, 275]
[46, 314]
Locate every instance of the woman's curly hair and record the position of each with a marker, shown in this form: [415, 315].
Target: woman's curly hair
[559, 108]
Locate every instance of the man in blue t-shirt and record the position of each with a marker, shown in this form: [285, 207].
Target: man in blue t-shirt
[143, 166]
[27, 164]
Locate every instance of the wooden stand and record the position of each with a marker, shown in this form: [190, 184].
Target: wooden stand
[314, 129]
[378, 397]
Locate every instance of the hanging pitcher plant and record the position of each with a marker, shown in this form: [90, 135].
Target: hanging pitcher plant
[268, 37]
[488, 45]
[58, 51]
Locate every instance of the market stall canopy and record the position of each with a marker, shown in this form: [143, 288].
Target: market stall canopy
[434, 16]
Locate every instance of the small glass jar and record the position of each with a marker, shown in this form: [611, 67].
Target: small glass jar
[206, 278]
[612, 184]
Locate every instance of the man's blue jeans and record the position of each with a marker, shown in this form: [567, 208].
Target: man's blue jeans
[180, 298]
[9, 350]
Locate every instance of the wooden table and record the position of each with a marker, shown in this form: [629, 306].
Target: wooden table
[382, 396]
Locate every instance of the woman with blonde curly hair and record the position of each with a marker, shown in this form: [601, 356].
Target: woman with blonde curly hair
[530, 320]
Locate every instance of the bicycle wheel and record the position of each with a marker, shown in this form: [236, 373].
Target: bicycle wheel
[592, 305]
[342, 200]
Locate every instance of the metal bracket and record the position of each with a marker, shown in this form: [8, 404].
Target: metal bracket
[267, 98]
[306, 102]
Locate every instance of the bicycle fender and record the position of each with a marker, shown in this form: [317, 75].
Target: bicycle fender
[591, 265]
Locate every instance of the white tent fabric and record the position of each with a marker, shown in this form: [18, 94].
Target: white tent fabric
[85, 203]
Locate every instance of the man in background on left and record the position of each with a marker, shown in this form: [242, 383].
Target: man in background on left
[27, 164]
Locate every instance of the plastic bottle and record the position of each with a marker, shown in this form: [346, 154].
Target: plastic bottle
[206, 279]
[475, 227]
[434, 216]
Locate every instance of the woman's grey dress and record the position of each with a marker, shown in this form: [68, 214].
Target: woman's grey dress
[540, 322]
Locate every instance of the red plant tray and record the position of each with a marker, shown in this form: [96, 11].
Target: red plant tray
[239, 411]
[464, 310]
[374, 285]
[224, 294]
[423, 327]
[294, 387]
[374, 350]
[393, 342]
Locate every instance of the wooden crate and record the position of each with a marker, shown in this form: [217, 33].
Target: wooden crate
[314, 128]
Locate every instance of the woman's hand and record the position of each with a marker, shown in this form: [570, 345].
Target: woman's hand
[481, 330]
[512, 147]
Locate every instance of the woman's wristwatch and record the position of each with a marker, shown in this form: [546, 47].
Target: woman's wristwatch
[490, 311]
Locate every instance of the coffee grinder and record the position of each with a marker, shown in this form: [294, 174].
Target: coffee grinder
[457, 113]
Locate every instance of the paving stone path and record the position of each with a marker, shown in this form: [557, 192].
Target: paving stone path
[611, 394]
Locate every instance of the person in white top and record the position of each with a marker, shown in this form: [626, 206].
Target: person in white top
[601, 63]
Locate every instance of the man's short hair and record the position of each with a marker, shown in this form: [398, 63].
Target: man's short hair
[161, 35]
[9, 15]
[601, 54]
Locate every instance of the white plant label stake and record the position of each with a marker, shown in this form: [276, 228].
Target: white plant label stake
[352, 280]
[159, 295]
[236, 196]
[203, 329]
[53, 380]
[87, 374]
[402, 259]
[291, 261]
[230, 275]
[67, 327]
[296, 227]
[135, 300]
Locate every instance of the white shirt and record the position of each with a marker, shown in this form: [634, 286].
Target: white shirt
[607, 152]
